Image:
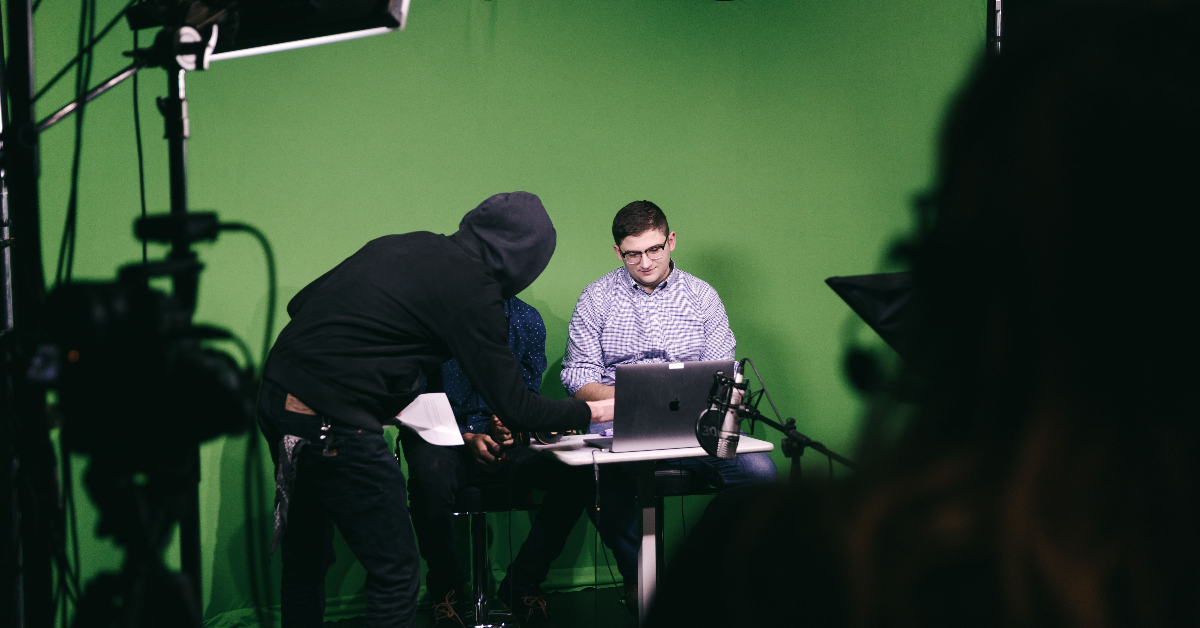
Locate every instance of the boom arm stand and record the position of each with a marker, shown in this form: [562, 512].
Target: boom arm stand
[794, 443]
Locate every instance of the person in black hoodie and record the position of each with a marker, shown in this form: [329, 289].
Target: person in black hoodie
[361, 340]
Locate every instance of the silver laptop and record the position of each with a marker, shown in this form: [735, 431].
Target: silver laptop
[657, 405]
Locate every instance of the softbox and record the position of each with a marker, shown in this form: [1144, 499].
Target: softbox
[884, 302]
[251, 27]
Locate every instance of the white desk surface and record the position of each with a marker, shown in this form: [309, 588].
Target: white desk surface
[572, 451]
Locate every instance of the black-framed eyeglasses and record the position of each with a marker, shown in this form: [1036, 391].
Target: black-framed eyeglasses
[655, 252]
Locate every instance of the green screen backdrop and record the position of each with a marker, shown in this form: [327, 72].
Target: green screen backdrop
[784, 139]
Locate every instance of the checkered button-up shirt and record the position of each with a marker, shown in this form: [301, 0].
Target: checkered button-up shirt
[617, 322]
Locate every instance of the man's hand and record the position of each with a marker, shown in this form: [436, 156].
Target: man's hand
[486, 451]
[499, 433]
[602, 411]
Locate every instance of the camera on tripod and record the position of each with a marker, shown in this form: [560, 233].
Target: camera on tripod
[134, 376]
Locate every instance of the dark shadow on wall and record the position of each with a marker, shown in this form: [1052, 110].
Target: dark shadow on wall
[552, 386]
[744, 292]
[229, 577]
[757, 324]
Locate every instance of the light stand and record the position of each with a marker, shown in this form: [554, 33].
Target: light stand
[29, 510]
[794, 444]
[172, 50]
[32, 522]
[186, 285]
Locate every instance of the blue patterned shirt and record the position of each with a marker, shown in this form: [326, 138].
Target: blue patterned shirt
[526, 339]
[617, 322]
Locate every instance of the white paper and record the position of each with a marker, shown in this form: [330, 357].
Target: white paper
[430, 416]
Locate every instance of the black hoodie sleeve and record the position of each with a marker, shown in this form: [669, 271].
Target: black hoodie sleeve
[478, 338]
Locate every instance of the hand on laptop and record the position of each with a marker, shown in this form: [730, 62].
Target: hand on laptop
[486, 451]
[499, 433]
[602, 411]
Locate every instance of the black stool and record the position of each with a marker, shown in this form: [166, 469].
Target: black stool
[477, 501]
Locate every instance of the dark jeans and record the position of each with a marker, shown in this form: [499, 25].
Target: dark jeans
[361, 491]
[437, 474]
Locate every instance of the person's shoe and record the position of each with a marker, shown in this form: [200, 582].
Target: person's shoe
[449, 612]
[528, 606]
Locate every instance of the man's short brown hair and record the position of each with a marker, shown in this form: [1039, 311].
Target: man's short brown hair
[636, 218]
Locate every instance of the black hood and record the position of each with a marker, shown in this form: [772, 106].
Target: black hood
[514, 237]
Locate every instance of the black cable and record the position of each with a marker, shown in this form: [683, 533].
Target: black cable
[80, 100]
[764, 389]
[137, 132]
[69, 494]
[244, 349]
[83, 76]
[776, 410]
[67, 589]
[70, 64]
[256, 558]
[62, 590]
[510, 562]
[253, 487]
[682, 515]
[60, 546]
[249, 505]
[253, 494]
[595, 539]
[612, 577]
[68, 573]
[268, 333]
[595, 576]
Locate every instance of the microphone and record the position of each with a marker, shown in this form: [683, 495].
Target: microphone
[727, 440]
[717, 428]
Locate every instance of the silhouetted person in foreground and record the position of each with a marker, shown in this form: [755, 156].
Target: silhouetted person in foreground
[1049, 474]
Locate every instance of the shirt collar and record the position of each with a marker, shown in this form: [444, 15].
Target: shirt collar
[670, 279]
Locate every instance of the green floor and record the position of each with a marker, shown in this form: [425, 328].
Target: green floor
[577, 609]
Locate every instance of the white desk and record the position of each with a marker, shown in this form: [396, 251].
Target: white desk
[571, 450]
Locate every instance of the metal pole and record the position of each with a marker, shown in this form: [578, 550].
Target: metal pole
[174, 110]
[92, 94]
[29, 491]
[993, 28]
[175, 115]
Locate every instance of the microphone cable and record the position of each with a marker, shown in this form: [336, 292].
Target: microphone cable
[137, 133]
[778, 416]
[762, 385]
[596, 537]
[682, 515]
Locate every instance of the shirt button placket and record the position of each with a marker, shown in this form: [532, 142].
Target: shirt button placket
[658, 328]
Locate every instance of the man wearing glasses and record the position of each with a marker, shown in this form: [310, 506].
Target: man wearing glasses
[644, 312]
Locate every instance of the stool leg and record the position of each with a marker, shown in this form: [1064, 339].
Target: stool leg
[648, 554]
[479, 567]
[660, 561]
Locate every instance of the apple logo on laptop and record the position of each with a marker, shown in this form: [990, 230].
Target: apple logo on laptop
[674, 405]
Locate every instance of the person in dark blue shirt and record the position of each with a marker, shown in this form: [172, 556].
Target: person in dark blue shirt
[526, 339]
[437, 474]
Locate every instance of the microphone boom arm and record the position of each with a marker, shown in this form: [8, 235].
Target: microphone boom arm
[800, 441]
[720, 398]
